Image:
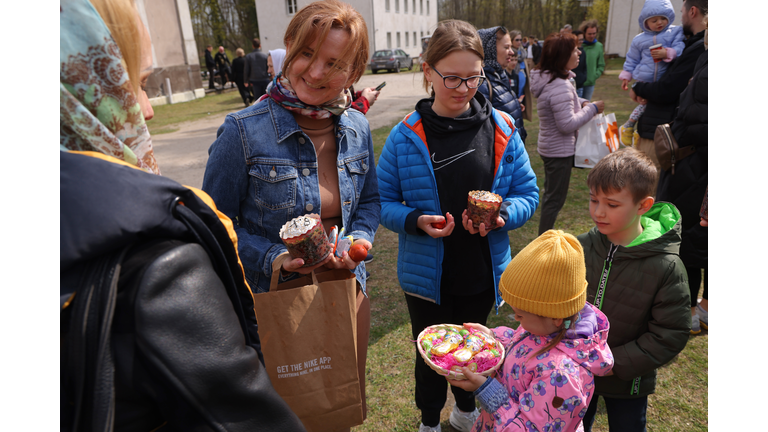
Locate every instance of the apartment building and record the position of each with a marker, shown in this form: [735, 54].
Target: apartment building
[391, 23]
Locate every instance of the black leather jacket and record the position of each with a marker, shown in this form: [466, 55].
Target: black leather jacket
[185, 350]
[503, 98]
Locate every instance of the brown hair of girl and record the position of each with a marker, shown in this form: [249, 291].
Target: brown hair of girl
[450, 36]
[560, 335]
[313, 23]
[556, 53]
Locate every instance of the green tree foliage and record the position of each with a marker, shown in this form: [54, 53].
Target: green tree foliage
[532, 17]
[228, 23]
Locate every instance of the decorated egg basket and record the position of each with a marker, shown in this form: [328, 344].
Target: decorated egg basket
[448, 347]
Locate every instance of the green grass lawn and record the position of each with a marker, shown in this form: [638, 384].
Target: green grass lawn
[168, 117]
[681, 399]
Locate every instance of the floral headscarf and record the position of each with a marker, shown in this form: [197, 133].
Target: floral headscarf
[280, 91]
[488, 37]
[97, 108]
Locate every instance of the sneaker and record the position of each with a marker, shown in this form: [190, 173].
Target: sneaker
[462, 421]
[695, 327]
[626, 133]
[635, 139]
[368, 258]
[703, 317]
[423, 428]
[367, 275]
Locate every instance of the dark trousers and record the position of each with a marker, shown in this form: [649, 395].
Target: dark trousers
[224, 77]
[430, 387]
[258, 88]
[244, 92]
[210, 78]
[624, 415]
[557, 177]
[694, 282]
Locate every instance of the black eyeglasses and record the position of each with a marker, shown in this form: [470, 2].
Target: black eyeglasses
[518, 40]
[453, 81]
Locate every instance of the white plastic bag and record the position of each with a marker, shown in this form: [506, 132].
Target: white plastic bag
[591, 143]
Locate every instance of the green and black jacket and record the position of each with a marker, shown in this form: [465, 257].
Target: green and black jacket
[643, 290]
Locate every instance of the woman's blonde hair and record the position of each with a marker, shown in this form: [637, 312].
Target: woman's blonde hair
[122, 20]
[313, 23]
[449, 36]
[239, 52]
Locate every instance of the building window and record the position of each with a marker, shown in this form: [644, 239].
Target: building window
[397, 6]
[290, 7]
[414, 7]
[427, 7]
[421, 7]
[386, 5]
[405, 6]
[389, 40]
[398, 39]
[406, 39]
[414, 40]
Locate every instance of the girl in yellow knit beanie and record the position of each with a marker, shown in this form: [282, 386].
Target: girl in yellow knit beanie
[547, 379]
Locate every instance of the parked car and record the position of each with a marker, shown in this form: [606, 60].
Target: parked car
[390, 59]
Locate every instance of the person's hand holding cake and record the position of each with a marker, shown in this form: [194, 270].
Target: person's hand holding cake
[482, 213]
[309, 246]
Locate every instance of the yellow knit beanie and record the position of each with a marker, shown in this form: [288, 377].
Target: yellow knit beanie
[548, 277]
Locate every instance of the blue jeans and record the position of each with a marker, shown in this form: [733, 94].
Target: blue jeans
[586, 92]
[624, 415]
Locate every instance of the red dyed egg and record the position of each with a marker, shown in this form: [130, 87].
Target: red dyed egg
[358, 252]
[439, 225]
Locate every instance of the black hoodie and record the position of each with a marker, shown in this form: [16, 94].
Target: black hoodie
[467, 139]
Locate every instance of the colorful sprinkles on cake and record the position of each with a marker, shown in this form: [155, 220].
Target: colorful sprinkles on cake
[483, 207]
[305, 238]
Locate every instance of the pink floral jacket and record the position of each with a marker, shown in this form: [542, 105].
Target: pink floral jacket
[549, 392]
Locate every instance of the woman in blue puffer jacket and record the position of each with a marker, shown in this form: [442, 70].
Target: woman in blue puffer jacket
[643, 65]
[497, 47]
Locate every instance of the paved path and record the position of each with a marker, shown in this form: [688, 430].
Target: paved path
[182, 155]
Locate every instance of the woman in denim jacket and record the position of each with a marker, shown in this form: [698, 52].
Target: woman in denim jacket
[301, 151]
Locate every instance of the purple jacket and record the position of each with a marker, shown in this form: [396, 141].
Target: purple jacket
[560, 114]
[549, 391]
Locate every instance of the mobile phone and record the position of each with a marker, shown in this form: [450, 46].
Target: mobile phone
[381, 86]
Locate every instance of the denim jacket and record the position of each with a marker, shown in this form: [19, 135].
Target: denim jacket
[262, 172]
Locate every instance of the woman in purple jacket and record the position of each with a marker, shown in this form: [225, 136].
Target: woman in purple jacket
[561, 114]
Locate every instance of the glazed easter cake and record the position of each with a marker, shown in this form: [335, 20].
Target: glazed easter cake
[305, 238]
[483, 207]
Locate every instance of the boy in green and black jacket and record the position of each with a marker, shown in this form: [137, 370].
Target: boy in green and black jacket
[637, 279]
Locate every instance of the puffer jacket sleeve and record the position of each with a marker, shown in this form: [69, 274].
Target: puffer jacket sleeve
[226, 155]
[668, 328]
[634, 56]
[566, 120]
[522, 198]
[188, 339]
[677, 41]
[393, 211]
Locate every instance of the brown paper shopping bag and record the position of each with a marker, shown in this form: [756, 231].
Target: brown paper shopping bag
[308, 333]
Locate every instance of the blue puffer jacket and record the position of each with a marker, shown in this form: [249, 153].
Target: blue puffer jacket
[407, 182]
[504, 98]
[639, 61]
